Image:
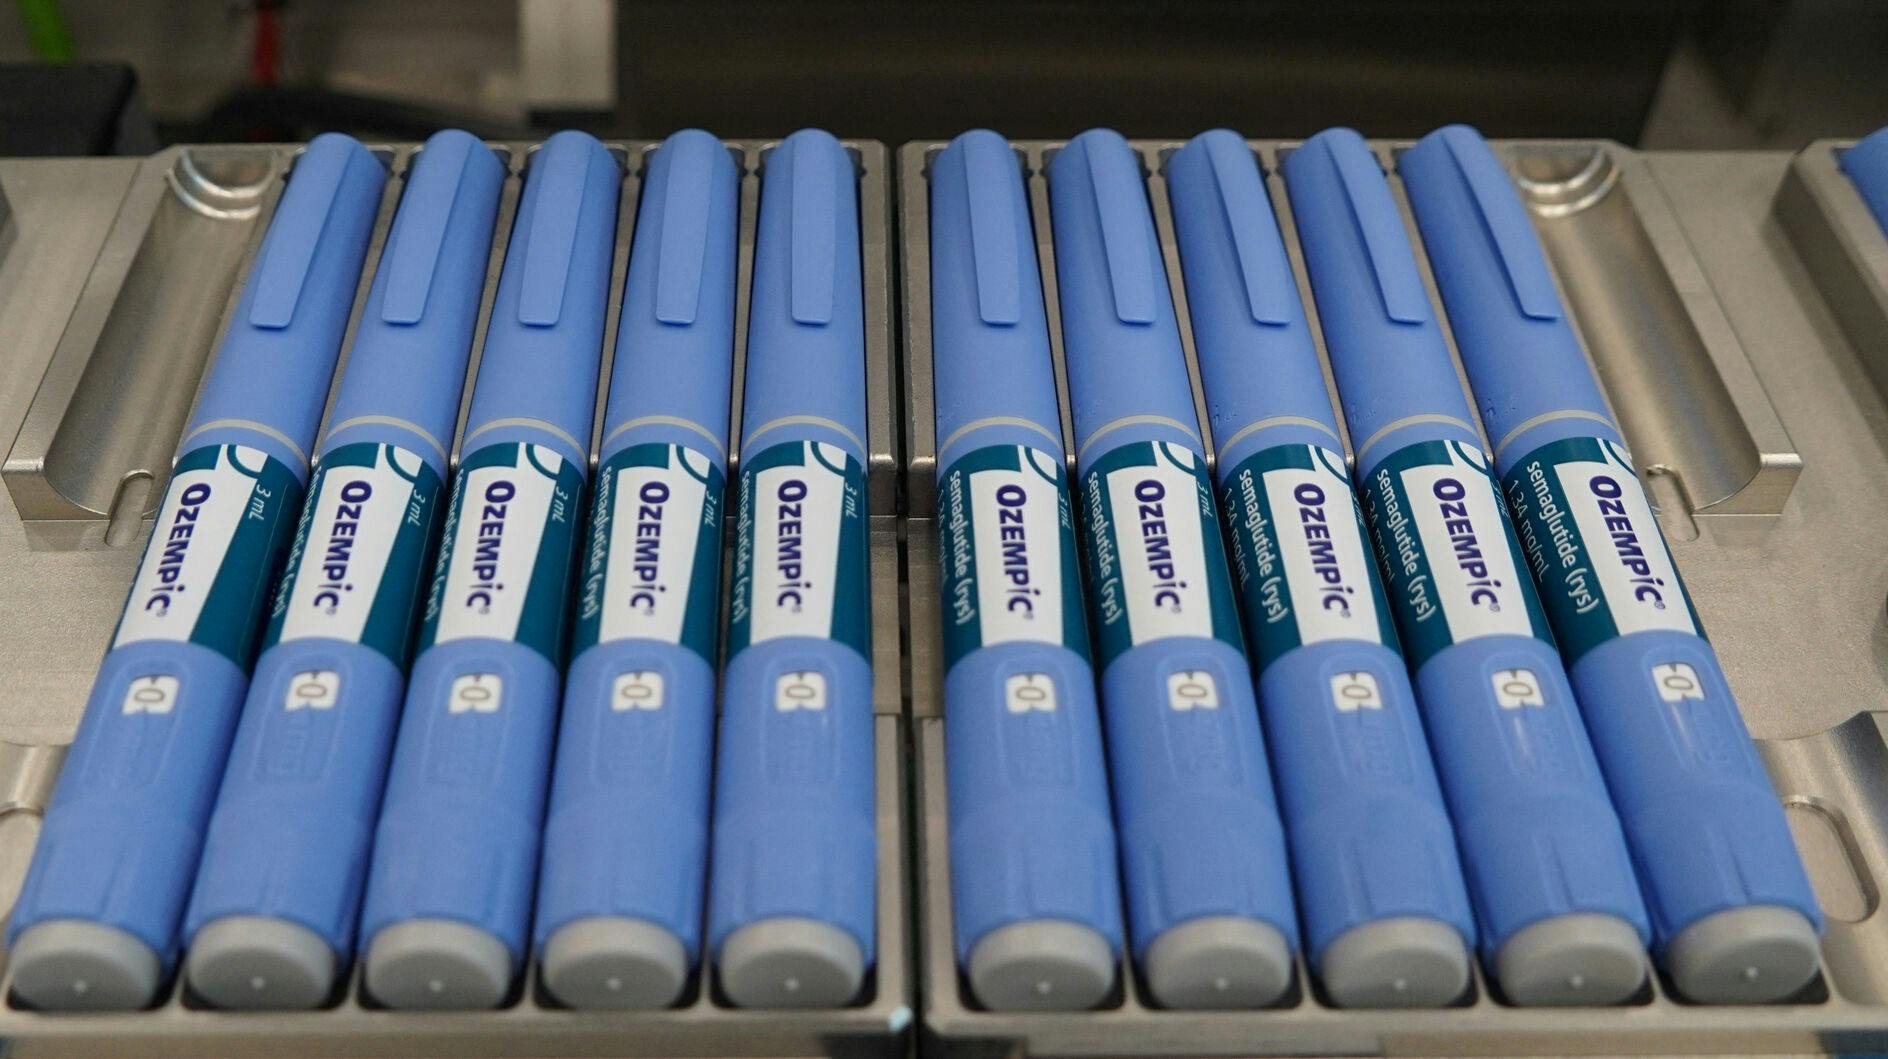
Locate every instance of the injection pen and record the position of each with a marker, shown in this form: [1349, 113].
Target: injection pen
[271, 920]
[1735, 918]
[793, 868]
[450, 886]
[97, 919]
[626, 837]
[1036, 891]
[1560, 916]
[1209, 899]
[1380, 885]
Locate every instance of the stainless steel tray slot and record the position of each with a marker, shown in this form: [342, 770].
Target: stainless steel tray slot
[139, 338]
[1835, 783]
[1679, 381]
[704, 1024]
[1841, 244]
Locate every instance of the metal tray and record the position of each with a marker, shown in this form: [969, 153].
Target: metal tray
[1771, 525]
[113, 397]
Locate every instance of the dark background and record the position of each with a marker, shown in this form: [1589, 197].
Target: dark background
[104, 76]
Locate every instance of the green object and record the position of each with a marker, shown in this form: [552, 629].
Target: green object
[46, 27]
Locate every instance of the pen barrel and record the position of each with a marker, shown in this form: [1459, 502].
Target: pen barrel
[1031, 836]
[1199, 826]
[1370, 834]
[1031, 833]
[121, 835]
[295, 814]
[794, 793]
[795, 797]
[794, 810]
[1688, 783]
[1532, 812]
[460, 824]
[627, 830]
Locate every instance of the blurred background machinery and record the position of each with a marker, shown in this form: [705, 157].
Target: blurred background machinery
[101, 76]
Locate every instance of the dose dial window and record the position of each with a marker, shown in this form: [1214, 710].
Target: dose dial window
[637, 690]
[476, 693]
[1192, 689]
[153, 694]
[312, 689]
[1030, 693]
[800, 691]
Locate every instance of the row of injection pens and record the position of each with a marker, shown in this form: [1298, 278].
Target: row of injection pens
[451, 718]
[1448, 703]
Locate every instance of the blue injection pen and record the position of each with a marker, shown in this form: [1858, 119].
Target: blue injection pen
[271, 921]
[1736, 920]
[793, 877]
[97, 918]
[626, 837]
[1034, 883]
[1202, 849]
[1380, 883]
[449, 891]
[1559, 911]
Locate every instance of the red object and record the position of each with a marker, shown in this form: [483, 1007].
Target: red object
[265, 57]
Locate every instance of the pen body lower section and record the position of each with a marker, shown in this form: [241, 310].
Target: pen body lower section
[459, 830]
[627, 831]
[794, 785]
[627, 834]
[794, 813]
[295, 818]
[1370, 835]
[1198, 825]
[120, 839]
[1031, 833]
[460, 824]
[1697, 805]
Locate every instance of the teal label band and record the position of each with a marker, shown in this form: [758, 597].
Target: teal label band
[1448, 549]
[1156, 563]
[1301, 559]
[1006, 536]
[1592, 542]
[357, 568]
[504, 570]
[205, 577]
[799, 554]
[652, 569]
